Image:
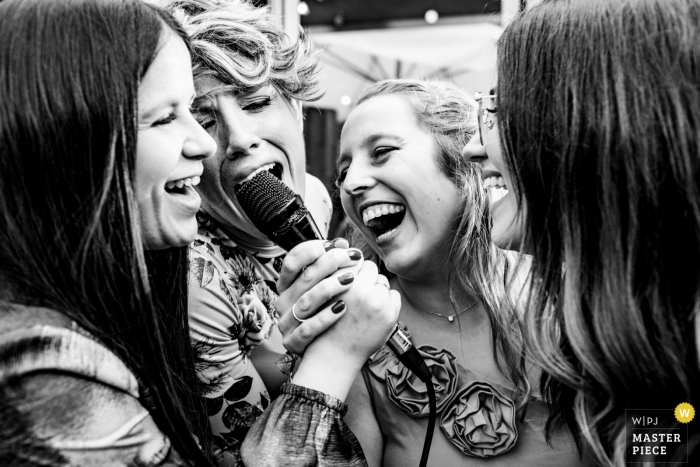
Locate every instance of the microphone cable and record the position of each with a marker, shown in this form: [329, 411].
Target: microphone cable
[407, 354]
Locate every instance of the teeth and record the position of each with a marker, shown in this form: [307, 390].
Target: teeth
[189, 181]
[260, 169]
[380, 210]
[496, 193]
[386, 233]
[494, 182]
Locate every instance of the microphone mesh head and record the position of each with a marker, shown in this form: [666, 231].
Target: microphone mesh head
[263, 197]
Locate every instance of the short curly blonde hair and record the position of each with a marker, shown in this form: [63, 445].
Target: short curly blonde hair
[241, 46]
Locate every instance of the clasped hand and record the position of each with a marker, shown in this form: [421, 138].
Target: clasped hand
[344, 307]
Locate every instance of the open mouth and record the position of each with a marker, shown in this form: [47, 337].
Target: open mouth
[496, 187]
[383, 218]
[274, 168]
[182, 186]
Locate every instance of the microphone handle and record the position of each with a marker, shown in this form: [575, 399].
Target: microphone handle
[303, 230]
[292, 225]
[407, 354]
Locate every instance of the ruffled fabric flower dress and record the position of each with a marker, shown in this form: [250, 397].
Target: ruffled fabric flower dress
[477, 421]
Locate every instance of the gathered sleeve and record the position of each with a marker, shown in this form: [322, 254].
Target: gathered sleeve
[71, 401]
[302, 427]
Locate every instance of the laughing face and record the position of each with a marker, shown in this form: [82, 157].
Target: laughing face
[393, 189]
[506, 230]
[170, 148]
[253, 131]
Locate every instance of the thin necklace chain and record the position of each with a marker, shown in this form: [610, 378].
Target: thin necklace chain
[451, 317]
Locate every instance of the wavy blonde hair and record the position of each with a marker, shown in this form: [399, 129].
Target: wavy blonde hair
[241, 46]
[473, 264]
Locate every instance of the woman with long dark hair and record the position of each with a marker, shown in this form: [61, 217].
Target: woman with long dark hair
[98, 155]
[594, 128]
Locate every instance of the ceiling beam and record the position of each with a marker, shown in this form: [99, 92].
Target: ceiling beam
[362, 14]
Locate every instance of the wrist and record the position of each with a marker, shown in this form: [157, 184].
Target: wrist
[329, 374]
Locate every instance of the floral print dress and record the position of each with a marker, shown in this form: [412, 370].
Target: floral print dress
[233, 322]
[231, 297]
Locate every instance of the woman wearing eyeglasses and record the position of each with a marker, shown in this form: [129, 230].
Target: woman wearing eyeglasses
[506, 219]
[597, 143]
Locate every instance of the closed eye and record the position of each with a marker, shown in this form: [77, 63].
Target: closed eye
[381, 151]
[164, 121]
[257, 104]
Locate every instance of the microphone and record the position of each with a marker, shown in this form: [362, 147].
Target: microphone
[276, 210]
[280, 214]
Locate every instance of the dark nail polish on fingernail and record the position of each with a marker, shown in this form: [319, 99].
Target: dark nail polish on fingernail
[338, 307]
[354, 254]
[329, 245]
[346, 278]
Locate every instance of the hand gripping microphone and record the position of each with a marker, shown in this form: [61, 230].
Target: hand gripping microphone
[280, 214]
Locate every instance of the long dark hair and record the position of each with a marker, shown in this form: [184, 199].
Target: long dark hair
[600, 123]
[70, 233]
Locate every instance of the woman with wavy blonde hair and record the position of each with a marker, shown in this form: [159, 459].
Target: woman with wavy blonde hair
[423, 211]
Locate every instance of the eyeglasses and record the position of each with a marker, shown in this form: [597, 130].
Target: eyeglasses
[482, 113]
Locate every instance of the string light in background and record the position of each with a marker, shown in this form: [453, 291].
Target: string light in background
[339, 19]
[431, 16]
[303, 8]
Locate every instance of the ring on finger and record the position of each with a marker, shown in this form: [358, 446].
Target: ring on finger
[294, 313]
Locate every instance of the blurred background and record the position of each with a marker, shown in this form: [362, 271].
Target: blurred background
[365, 41]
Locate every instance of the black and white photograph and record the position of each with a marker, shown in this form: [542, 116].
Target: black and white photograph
[362, 233]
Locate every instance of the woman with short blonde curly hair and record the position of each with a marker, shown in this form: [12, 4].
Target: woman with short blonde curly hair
[242, 46]
[250, 80]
